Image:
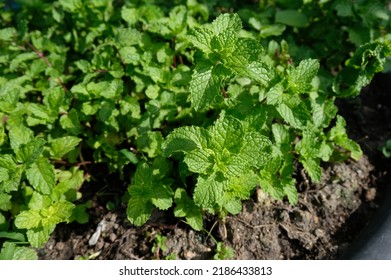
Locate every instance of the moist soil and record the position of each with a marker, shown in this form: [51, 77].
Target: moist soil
[325, 221]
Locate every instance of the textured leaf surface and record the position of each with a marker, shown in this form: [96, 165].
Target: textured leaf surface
[41, 176]
[63, 145]
[299, 78]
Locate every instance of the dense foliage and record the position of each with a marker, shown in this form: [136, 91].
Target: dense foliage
[193, 104]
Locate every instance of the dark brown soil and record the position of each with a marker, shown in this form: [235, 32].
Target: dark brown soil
[322, 225]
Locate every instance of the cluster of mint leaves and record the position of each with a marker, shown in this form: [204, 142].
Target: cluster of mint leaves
[194, 115]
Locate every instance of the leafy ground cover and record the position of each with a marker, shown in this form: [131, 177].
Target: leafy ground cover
[177, 117]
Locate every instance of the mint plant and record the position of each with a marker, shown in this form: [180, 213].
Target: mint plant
[191, 115]
[242, 150]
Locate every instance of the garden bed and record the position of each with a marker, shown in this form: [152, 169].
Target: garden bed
[326, 220]
[148, 130]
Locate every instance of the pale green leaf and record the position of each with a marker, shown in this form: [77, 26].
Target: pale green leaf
[257, 71]
[28, 219]
[185, 207]
[39, 236]
[106, 89]
[29, 153]
[5, 202]
[312, 167]
[41, 176]
[209, 190]
[281, 133]
[300, 77]
[12, 235]
[227, 133]
[295, 116]
[206, 83]
[185, 139]
[56, 213]
[130, 15]
[12, 179]
[59, 147]
[271, 185]
[226, 22]
[70, 122]
[6, 34]
[24, 253]
[256, 149]
[290, 190]
[7, 251]
[201, 38]
[199, 161]
[9, 100]
[19, 134]
[162, 196]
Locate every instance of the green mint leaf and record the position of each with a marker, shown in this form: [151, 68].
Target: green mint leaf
[256, 149]
[54, 99]
[205, 86]
[39, 236]
[130, 55]
[5, 202]
[10, 251]
[219, 35]
[39, 201]
[106, 89]
[148, 189]
[281, 134]
[233, 206]
[323, 110]
[150, 143]
[243, 186]
[162, 197]
[28, 219]
[9, 101]
[201, 38]
[247, 50]
[19, 134]
[185, 207]
[10, 174]
[7, 251]
[271, 185]
[59, 147]
[38, 114]
[339, 136]
[139, 211]
[209, 190]
[296, 116]
[130, 15]
[41, 176]
[289, 187]
[257, 71]
[226, 22]
[312, 167]
[70, 122]
[6, 34]
[226, 133]
[185, 139]
[24, 253]
[224, 42]
[300, 77]
[368, 60]
[56, 213]
[199, 161]
[28, 153]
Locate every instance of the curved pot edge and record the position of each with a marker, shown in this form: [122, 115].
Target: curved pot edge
[374, 242]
